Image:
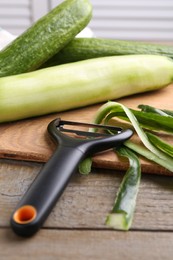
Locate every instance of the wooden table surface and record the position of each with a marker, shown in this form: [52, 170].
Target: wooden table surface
[75, 229]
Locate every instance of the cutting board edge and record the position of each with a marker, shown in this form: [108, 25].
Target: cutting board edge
[120, 165]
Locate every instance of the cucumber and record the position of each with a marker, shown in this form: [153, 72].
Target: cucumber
[45, 38]
[88, 48]
[81, 83]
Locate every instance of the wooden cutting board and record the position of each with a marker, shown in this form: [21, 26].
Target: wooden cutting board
[28, 139]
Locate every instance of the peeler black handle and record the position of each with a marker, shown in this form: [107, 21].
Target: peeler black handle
[38, 201]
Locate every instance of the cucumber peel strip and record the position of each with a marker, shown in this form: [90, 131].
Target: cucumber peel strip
[147, 120]
[108, 110]
[121, 216]
[122, 213]
[147, 108]
[141, 150]
[85, 166]
[152, 153]
[160, 144]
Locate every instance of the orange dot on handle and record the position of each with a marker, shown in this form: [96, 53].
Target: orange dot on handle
[25, 214]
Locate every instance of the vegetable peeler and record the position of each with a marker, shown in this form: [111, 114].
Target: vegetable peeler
[73, 145]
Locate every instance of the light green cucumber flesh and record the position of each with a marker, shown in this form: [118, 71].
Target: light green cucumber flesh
[45, 38]
[80, 84]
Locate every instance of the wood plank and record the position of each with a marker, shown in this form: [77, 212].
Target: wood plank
[87, 199]
[28, 139]
[87, 244]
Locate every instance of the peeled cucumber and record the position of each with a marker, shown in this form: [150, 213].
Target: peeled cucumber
[82, 83]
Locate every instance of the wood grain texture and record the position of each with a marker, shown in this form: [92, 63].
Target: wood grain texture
[28, 139]
[87, 244]
[87, 199]
[75, 229]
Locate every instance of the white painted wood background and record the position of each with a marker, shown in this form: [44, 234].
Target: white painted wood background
[150, 20]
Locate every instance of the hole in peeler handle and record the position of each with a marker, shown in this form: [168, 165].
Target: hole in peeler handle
[24, 215]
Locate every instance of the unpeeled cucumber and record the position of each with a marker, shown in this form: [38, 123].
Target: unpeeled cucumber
[45, 38]
[89, 48]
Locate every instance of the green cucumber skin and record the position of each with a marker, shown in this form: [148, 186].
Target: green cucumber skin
[88, 48]
[63, 87]
[45, 38]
